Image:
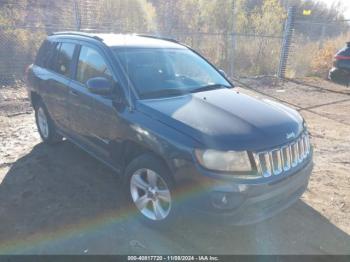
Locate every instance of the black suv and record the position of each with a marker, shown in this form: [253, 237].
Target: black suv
[171, 125]
[340, 72]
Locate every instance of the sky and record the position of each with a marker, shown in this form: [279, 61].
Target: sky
[345, 3]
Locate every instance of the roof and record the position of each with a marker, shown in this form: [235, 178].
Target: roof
[127, 40]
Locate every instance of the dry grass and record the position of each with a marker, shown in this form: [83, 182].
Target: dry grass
[313, 58]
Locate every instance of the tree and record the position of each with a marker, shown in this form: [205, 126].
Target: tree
[120, 15]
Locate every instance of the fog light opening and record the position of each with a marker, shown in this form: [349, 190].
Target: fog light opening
[220, 200]
[226, 200]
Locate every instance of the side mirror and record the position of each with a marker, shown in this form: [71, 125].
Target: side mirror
[100, 86]
[223, 73]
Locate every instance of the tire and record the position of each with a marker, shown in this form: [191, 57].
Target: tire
[149, 188]
[45, 125]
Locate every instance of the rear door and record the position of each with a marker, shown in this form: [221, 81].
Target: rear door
[55, 78]
[94, 120]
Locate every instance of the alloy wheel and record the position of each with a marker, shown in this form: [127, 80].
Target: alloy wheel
[150, 194]
[43, 123]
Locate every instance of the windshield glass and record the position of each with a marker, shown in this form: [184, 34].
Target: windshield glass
[167, 72]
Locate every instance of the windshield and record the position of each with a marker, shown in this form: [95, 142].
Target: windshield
[167, 72]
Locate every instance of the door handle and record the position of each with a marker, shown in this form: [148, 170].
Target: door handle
[73, 92]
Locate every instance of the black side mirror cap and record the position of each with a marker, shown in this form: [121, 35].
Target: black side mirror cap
[100, 86]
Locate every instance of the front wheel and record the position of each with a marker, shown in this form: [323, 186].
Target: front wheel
[45, 125]
[150, 189]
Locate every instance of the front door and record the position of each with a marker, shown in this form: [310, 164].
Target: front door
[93, 118]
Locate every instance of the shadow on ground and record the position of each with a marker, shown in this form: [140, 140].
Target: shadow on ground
[59, 200]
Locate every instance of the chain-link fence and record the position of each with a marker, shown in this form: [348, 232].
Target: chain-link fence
[238, 53]
[313, 45]
[304, 46]
[23, 26]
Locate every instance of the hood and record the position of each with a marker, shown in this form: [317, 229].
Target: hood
[224, 119]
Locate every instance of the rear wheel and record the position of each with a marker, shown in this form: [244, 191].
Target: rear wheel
[150, 189]
[45, 125]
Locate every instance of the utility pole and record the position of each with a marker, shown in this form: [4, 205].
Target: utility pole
[233, 40]
[287, 41]
[77, 15]
[323, 35]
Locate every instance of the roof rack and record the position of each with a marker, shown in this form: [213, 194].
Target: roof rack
[78, 34]
[159, 37]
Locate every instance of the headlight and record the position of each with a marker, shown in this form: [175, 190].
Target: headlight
[224, 160]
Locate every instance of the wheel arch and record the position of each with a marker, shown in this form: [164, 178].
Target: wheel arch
[131, 150]
[35, 98]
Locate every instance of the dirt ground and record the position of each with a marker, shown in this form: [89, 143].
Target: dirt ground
[59, 200]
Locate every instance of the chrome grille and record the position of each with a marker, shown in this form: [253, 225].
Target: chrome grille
[279, 160]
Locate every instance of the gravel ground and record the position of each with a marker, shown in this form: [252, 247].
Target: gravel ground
[59, 200]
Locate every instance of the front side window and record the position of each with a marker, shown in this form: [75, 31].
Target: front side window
[91, 64]
[157, 72]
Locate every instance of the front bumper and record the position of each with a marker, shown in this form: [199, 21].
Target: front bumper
[251, 202]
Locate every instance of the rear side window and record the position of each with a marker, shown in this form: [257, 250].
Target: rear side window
[91, 64]
[61, 62]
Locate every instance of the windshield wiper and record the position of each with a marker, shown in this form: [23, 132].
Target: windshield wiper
[163, 93]
[209, 87]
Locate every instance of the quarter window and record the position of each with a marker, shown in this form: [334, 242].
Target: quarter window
[91, 64]
[52, 60]
[45, 53]
[64, 58]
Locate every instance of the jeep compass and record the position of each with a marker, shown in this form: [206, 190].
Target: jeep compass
[171, 125]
